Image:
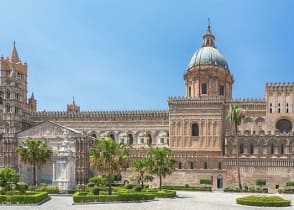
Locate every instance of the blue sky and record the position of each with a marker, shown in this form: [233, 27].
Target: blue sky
[130, 55]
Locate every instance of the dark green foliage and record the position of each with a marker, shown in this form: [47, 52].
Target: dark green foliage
[97, 181]
[260, 182]
[138, 188]
[83, 198]
[22, 187]
[8, 176]
[23, 199]
[205, 181]
[95, 190]
[290, 184]
[129, 186]
[268, 201]
[166, 194]
[186, 185]
[51, 189]
[189, 188]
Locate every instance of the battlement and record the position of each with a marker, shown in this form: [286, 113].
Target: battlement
[247, 100]
[103, 115]
[279, 84]
[196, 100]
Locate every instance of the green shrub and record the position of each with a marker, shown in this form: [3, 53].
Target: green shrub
[260, 182]
[8, 176]
[51, 189]
[129, 186]
[138, 188]
[98, 180]
[2, 190]
[290, 184]
[22, 187]
[190, 188]
[288, 191]
[23, 199]
[186, 185]
[95, 190]
[166, 194]
[268, 201]
[205, 181]
[83, 198]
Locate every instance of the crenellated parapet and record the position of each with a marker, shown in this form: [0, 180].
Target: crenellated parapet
[196, 100]
[102, 115]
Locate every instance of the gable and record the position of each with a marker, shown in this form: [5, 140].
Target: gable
[47, 129]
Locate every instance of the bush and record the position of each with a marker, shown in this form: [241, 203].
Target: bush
[260, 182]
[186, 185]
[95, 191]
[22, 187]
[8, 176]
[205, 181]
[84, 198]
[190, 188]
[97, 181]
[138, 188]
[23, 199]
[129, 186]
[51, 189]
[166, 194]
[268, 201]
[290, 184]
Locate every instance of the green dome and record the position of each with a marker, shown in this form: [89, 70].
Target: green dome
[208, 55]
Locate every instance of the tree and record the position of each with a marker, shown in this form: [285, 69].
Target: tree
[161, 162]
[34, 152]
[142, 166]
[8, 176]
[109, 157]
[235, 116]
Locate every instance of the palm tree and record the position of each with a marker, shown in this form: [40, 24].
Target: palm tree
[141, 166]
[161, 162]
[109, 157]
[235, 116]
[34, 152]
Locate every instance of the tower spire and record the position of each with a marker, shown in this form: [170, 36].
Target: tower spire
[209, 25]
[208, 37]
[13, 56]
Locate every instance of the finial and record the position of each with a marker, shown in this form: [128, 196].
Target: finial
[73, 100]
[208, 24]
[14, 43]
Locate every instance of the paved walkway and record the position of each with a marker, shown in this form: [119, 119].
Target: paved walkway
[184, 201]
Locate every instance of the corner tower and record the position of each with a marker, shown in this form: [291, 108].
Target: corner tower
[208, 72]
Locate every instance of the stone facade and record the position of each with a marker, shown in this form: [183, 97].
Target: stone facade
[194, 127]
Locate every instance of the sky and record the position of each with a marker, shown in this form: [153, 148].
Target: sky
[131, 55]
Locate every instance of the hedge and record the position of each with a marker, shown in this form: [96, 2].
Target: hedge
[51, 189]
[166, 194]
[267, 201]
[23, 199]
[251, 189]
[187, 188]
[287, 191]
[87, 197]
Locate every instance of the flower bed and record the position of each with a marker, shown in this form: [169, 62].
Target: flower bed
[267, 201]
[27, 198]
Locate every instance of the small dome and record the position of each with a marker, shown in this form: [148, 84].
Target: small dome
[208, 55]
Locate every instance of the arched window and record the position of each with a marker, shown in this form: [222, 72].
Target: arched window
[282, 149]
[251, 149]
[241, 149]
[130, 139]
[149, 139]
[205, 165]
[284, 126]
[195, 129]
[112, 136]
[272, 148]
[180, 165]
[191, 165]
[219, 165]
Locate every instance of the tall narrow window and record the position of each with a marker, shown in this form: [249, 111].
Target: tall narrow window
[191, 165]
[205, 165]
[195, 129]
[180, 165]
[221, 90]
[204, 88]
[251, 149]
[241, 149]
[189, 91]
[279, 109]
[130, 139]
[271, 108]
[219, 165]
[287, 108]
[272, 149]
[282, 149]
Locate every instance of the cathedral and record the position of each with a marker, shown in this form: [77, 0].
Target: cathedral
[194, 127]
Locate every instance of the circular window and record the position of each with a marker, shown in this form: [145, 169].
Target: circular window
[284, 126]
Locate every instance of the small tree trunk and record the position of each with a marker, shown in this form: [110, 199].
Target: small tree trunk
[34, 174]
[238, 158]
[109, 185]
[160, 182]
[142, 180]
